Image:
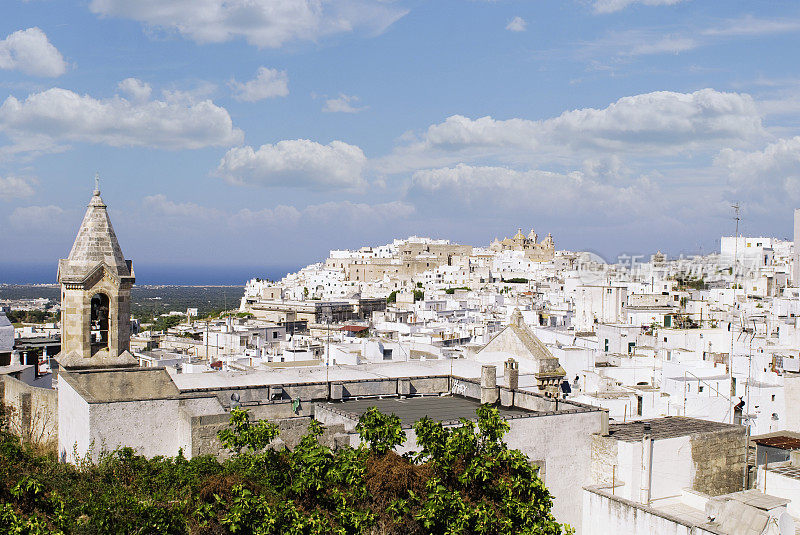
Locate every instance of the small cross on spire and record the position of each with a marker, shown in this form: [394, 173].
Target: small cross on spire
[97, 183]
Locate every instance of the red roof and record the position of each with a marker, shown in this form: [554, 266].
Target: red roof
[354, 328]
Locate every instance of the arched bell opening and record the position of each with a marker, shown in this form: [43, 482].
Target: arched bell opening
[99, 322]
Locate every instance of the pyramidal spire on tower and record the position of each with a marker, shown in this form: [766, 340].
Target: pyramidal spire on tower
[96, 244]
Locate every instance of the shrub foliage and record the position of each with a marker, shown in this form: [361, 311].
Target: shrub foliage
[463, 480]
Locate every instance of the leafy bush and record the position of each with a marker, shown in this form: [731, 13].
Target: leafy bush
[380, 431]
[464, 479]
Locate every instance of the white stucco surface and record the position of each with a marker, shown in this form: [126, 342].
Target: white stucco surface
[73, 423]
[152, 427]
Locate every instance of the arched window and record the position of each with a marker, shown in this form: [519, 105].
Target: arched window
[99, 322]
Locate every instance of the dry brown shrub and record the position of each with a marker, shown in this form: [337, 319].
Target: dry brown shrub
[390, 477]
[219, 485]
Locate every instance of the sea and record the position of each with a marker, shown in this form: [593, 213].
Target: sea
[155, 274]
[159, 289]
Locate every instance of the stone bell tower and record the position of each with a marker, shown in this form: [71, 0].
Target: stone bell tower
[96, 285]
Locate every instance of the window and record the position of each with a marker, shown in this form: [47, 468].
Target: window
[387, 354]
[773, 397]
[700, 388]
[606, 345]
[274, 334]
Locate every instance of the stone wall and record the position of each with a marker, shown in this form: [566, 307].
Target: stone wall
[206, 442]
[32, 411]
[604, 461]
[718, 461]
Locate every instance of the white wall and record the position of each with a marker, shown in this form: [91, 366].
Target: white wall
[604, 515]
[781, 486]
[73, 423]
[673, 468]
[153, 426]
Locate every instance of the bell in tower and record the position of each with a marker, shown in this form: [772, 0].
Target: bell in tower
[96, 283]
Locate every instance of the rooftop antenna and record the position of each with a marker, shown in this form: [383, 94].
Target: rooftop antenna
[736, 217]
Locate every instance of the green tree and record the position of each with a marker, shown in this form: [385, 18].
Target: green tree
[382, 432]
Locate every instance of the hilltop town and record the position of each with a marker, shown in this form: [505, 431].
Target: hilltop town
[667, 386]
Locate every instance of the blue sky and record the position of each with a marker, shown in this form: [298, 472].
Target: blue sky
[258, 132]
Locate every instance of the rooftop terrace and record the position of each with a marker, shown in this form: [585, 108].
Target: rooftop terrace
[445, 409]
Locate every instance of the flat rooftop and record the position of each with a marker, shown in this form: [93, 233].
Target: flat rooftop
[320, 374]
[130, 384]
[438, 408]
[667, 427]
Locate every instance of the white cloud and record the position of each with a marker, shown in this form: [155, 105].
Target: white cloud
[749, 25]
[30, 51]
[295, 163]
[357, 213]
[12, 187]
[517, 24]
[479, 187]
[36, 217]
[334, 212]
[268, 83]
[44, 120]
[643, 42]
[645, 125]
[343, 104]
[135, 89]
[263, 23]
[610, 6]
[764, 178]
[159, 205]
[628, 44]
[670, 44]
[279, 216]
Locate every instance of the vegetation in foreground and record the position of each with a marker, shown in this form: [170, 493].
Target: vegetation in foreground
[464, 480]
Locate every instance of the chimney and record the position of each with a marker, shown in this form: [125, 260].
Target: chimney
[489, 391]
[511, 374]
[647, 465]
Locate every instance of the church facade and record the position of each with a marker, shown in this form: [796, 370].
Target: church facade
[534, 250]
